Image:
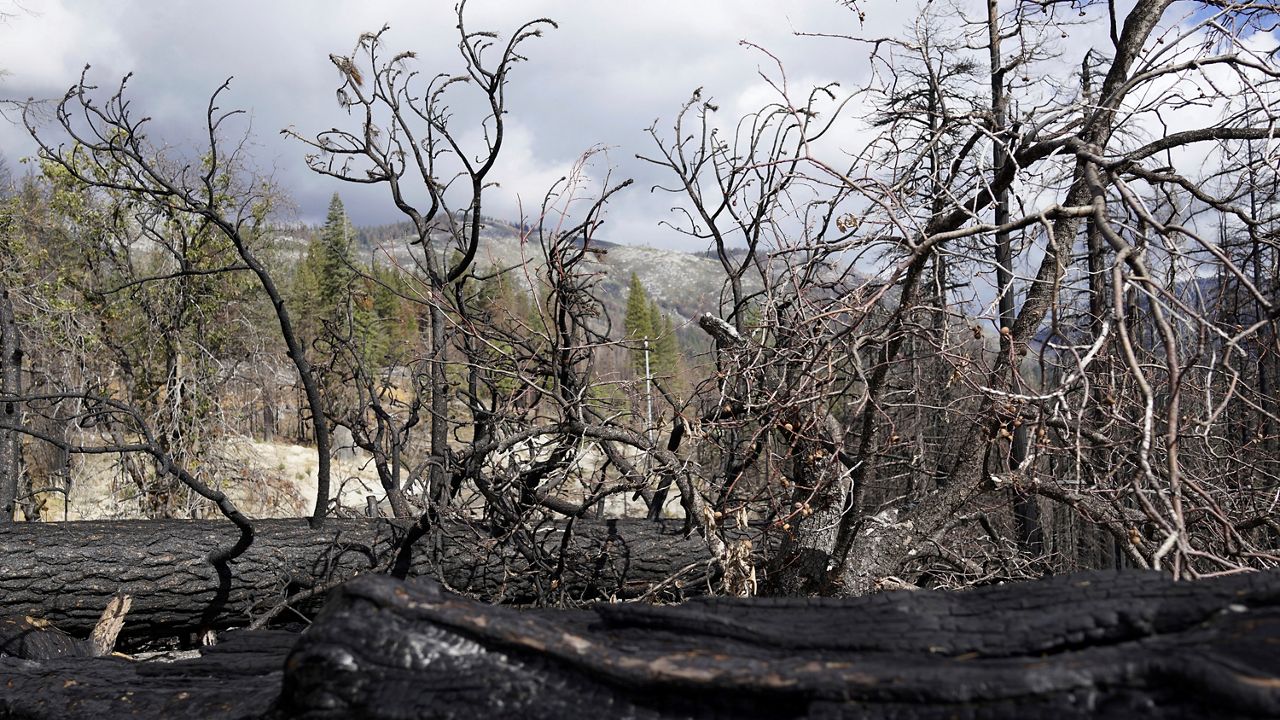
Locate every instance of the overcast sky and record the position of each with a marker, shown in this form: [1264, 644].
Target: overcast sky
[610, 70]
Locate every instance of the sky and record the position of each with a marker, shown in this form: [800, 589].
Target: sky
[603, 77]
[606, 74]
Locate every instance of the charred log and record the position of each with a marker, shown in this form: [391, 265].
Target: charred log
[1081, 646]
[1091, 645]
[34, 639]
[238, 678]
[66, 573]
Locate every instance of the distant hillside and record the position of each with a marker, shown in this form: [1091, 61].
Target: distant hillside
[683, 284]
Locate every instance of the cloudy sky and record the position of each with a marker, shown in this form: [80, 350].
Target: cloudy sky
[608, 72]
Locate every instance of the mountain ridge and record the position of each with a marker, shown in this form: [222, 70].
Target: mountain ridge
[683, 284]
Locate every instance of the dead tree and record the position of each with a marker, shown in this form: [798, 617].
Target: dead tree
[525, 381]
[409, 141]
[1097, 644]
[103, 144]
[10, 411]
[1101, 352]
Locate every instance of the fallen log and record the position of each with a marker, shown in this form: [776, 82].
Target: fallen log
[31, 638]
[238, 678]
[66, 573]
[1091, 645]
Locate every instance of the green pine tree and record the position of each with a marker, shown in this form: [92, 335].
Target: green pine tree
[332, 262]
[396, 316]
[638, 323]
[666, 350]
[655, 332]
[323, 285]
[638, 320]
[339, 308]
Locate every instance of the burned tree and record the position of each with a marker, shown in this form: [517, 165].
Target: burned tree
[102, 144]
[1014, 324]
[409, 141]
[975, 179]
[522, 368]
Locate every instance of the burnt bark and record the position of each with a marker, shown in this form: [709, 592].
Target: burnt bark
[66, 573]
[10, 412]
[1091, 645]
[32, 639]
[237, 678]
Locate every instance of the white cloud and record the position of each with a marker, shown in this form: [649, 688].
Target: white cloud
[46, 43]
[609, 71]
[601, 78]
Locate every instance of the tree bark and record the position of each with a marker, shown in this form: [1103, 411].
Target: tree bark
[10, 412]
[1091, 645]
[1096, 644]
[237, 679]
[66, 573]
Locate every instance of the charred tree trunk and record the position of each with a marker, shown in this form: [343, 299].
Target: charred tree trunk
[1091, 645]
[236, 679]
[1026, 508]
[439, 492]
[803, 561]
[67, 572]
[10, 412]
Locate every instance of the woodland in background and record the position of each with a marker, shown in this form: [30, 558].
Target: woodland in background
[1025, 324]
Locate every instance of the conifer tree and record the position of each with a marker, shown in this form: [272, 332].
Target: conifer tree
[323, 286]
[396, 318]
[638, 323]
[666, 350]
[337, 307]
[333, 257]
[657, 364]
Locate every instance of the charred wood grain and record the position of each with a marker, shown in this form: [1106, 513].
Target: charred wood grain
[66, 573]
[32, 639]
[1093, 645]
[237, 679]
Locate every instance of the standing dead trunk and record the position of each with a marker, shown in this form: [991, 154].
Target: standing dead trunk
[1026, 509]
[439, 494]
[810, 523]
[805, 557]
[10, 412]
